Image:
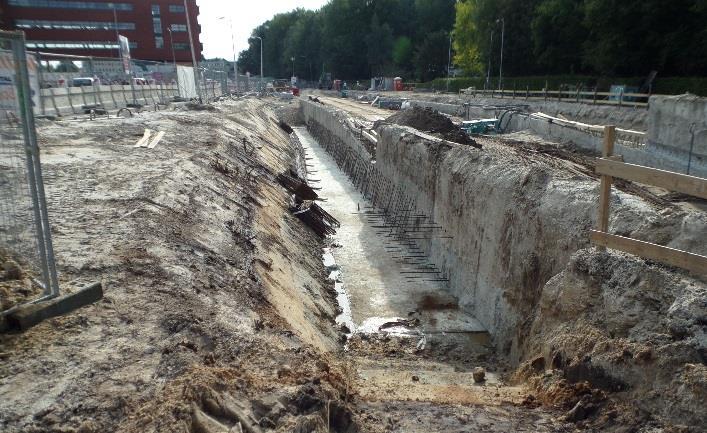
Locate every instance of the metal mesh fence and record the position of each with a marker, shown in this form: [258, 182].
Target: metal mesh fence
[24, 223]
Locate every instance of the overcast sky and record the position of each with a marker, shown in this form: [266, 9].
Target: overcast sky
[246, 15]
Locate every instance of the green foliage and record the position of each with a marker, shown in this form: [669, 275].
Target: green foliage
[359, 38]
[379, 42]
[355, 39]
[402, 52]
[466, 45]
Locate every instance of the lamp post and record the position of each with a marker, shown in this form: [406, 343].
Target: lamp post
[449, 61]
[500, 68]
[293, 66]
[193, 53]
[171, 44]
[233, 43]
[488, 73]
[261, 61]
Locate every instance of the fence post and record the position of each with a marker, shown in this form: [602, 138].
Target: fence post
[125, 97]
[605, 187]
[594, 99]
[83, 95]
[578, 90]
[71, 102]
[112, 96]
[56, 109]
[621, 97]
[527, 92]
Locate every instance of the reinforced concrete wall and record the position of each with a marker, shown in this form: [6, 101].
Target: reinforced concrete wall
[677, 132]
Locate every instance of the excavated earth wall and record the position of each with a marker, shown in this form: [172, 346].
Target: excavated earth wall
[515, 249]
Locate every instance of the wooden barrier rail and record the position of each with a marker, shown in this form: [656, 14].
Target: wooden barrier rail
[608, 166]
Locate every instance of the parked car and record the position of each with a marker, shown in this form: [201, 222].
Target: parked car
[82, 81]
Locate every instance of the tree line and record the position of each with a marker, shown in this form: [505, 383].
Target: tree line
[355, 39]
[362, 38]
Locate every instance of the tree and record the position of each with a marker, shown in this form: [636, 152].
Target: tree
[403, 52]
[431, 57]
[379, 41]
[466, 43]
[558, 31]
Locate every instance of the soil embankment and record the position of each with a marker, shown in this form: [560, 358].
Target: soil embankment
[216, 310]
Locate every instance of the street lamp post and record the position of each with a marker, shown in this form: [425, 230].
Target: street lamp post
[500, 68]
[449, 61]
[293, 66]
[193, 53]
[233, 43]
[171, 44]
[488, 73]
[261, 62]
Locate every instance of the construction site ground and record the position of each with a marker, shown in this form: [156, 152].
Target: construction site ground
[219, 314]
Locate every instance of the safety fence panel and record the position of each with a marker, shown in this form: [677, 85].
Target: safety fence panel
[24, 222]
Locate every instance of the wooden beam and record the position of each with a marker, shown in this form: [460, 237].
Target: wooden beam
[682, 259]
[605, 188]
[691, 185]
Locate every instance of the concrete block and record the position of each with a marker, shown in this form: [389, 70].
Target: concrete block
[29, 315]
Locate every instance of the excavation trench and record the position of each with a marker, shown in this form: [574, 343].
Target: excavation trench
[384, 283]
[503, 232]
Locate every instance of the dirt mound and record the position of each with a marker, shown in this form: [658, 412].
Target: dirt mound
[428, 120]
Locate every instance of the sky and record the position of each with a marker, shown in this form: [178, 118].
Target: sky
[245, 15]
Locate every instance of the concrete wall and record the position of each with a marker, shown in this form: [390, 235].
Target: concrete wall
[677, 132]
[63, 101]
[332, 120]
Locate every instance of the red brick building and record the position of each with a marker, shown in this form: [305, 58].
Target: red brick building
[88, 28]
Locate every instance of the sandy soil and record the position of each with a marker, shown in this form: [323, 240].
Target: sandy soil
[183, 237]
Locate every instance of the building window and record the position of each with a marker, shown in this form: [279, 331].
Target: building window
[53, 4]
[179, 28]
[177, 9]
[181, 46]
[155, 10]
[159, 42]
[157, 25]
[76, 45]
[72, 25]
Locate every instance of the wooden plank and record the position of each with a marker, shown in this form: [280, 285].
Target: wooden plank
[671, 256]
[156, 140]
[28, 315]
[691, 185]
[145, 138]
[605, 188]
